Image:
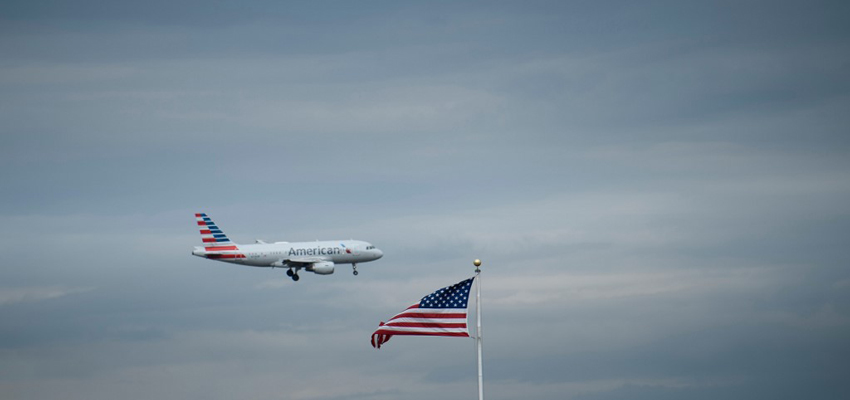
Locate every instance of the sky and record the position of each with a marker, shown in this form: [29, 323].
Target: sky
[658, 192]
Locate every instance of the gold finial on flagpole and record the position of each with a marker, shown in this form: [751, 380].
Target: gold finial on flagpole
[477, 264]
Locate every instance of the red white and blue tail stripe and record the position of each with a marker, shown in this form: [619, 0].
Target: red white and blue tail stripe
[210, 232]
[216, 244]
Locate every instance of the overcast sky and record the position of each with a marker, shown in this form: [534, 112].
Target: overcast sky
[658, 190]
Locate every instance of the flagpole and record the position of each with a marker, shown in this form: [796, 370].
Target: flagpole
[477, 264]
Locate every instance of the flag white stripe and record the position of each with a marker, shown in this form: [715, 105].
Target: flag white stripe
[390, 328]
[429, 320]
[434, 310]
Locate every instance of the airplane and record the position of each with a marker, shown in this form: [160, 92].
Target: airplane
[318, 257]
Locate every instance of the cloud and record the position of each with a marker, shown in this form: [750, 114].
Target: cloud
[9, 296]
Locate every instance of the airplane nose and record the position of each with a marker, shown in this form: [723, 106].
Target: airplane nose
[380, 253]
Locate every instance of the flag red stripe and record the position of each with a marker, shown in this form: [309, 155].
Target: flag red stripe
[429, 315]
[415, 333]
[427, 324]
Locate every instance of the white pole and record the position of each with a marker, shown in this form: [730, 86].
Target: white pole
[478, 327]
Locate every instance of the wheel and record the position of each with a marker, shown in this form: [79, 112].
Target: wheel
[295, 277]
[289, 272]
[355, 273]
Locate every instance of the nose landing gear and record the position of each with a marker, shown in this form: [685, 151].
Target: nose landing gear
[354, 269]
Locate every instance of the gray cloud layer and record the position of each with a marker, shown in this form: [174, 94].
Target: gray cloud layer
[658, 191]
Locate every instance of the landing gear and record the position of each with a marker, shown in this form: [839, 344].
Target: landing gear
[354, 268]
[293, 274]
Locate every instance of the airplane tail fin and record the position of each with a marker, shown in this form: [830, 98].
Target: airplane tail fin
[210, 232]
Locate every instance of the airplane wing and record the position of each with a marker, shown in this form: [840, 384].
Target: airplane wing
[303, 260]
[297, 261]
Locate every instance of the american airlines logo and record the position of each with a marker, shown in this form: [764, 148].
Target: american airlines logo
[315, 251]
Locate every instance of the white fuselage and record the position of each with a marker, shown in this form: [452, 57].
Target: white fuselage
[318, 257]
[284, 254]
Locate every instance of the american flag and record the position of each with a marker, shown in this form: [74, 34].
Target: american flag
[442, 313]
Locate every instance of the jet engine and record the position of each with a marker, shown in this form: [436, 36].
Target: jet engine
[322, 268]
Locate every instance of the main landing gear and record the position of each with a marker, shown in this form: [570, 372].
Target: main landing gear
[292, 274]
[354, 269]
